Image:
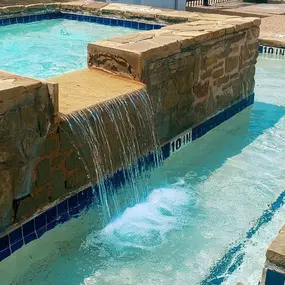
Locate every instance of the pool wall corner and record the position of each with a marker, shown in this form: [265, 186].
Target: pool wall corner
[274, 268]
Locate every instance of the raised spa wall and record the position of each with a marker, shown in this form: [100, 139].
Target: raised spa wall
[191, 70]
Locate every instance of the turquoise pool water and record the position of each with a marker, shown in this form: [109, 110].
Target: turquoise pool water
[202, 202]
[51, 47]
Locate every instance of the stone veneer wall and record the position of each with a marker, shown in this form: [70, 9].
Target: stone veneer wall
[27, 107]
[191, 70]
[274, 269]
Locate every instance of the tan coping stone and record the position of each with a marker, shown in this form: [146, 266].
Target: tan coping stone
[15, 8]
[72, 5]
[12, 86]
[276, 251]
[93, 6]
[273, 41]
[133, 38]
[87, 87]
[35, 6]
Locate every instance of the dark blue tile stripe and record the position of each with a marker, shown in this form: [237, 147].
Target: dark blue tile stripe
[74, 205]
[271, 50]
[81, 18]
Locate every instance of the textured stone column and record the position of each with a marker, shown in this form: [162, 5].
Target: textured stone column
[27, 107]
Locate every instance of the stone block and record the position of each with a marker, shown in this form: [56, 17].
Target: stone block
[58, 185]
[28, 206]
[6, 197]
[43, 171]
[22, 180]
[48, 145]
[231, 63]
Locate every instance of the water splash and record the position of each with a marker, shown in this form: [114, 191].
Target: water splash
[112, 135]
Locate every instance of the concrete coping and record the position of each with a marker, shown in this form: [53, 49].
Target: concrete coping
[276, 251]
[88, 87]
[14, 89]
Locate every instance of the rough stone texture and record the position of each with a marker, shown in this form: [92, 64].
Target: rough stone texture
[26, 113]
[191, 70]
[276, 251]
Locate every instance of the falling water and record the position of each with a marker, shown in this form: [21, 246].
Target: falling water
[116, 133]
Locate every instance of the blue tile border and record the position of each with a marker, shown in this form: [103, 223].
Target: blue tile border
[138, 25]
[274, 278]
[74, 205]
[277, 51]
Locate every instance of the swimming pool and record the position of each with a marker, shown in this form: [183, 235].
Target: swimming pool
[205, 220]
[48, 48]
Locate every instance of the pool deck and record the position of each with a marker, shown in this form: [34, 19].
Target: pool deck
[88, 87]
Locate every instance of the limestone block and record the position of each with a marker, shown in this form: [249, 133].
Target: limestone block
[43, 172]
[58, 185]
[15, 9]
[9, 125]
[32, 8]
[231, 63]
[28, 116]
[22, 179]
[6, 197]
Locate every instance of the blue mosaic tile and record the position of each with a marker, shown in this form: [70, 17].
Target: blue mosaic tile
[63, 218]
[32, 18]
[13, 20]
[142, 26]
[274, 278]
[26, 19]
[41, 231]
[29, 228]
[4, 242]
[40, 221]
[87, 18]
[83, 199]
[20, 20]
[165, 151]
[99, 20]
[62, 208]
[72, 202]
[30, 238]
[5, 253]
[5, 22]
[17, 245]
[120, 23]
[106, 21]
[80, 18]
[127, 24]
[91, 193]
[135, 25]
[148, 27]
[114, 22]
[51, 225]
[16, 235]
[51, 215]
